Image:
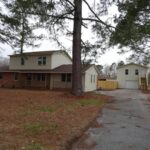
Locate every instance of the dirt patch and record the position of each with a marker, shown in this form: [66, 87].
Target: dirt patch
[46, 120]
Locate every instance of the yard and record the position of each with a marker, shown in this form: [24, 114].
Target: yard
[44, 120]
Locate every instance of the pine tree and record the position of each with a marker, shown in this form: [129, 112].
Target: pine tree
[54, 16]
[23, 30]
[133, 29]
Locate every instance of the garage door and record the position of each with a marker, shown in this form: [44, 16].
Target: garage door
[132, 84]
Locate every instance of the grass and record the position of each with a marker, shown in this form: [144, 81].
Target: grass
[33, 128]
[50, 118]
[33, 147]
[91, 102]
[47, 109]
[36, 128]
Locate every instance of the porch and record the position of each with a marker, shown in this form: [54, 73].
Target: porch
[47, 81]
[35, 80]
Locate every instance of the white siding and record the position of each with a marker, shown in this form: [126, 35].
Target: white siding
[88, 84]
[31, 63]
[60, 59]
[122, 77]
[57, 83]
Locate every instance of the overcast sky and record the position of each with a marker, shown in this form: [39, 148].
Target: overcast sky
[108, 58]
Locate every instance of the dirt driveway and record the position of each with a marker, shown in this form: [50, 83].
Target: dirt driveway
[125, 124]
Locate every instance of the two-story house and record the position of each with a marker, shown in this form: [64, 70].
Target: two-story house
[132, 76]
[46, 70]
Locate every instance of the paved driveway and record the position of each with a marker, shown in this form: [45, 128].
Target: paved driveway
[125, 124]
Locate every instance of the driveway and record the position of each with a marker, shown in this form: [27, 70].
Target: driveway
[125, 124]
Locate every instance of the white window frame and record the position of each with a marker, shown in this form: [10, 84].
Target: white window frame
[136, 72]
[41, 60]
[127, 71]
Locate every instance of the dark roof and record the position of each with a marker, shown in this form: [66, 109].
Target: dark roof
[4, 68]
[131, 64]
[68, 68]
[63, 69]
[34, 71]
[60, 69]
[37, 53]
[48, 52]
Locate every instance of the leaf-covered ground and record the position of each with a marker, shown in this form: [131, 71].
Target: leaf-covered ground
[44, 120]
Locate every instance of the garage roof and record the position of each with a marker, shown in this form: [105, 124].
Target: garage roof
[139, 65]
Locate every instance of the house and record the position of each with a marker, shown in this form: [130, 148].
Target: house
[132, 76]
[46, 70]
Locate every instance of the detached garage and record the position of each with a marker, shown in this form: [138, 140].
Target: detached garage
[129, 76]
[131, 84]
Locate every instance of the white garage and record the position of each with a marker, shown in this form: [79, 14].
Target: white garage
[130, 84]
[129, 76]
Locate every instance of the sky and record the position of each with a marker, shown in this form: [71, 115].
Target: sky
[108, 58]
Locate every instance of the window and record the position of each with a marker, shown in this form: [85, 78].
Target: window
[29, 76]
[66, 77]
[126, 71]
[15, 76]
[91, 78]
[136, 72]
[22, 61]
[63, 77]
[41, 60]
[40, 77]
[44, 60]
[1, 76]
[43, 77]
[94, 78]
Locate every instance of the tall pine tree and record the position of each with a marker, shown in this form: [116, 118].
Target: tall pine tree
[133, 29]
[55, 16]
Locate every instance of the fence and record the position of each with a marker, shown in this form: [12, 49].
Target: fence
[107, 85]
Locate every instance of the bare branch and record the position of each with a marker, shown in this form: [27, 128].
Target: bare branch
[98, 19]
[58, 16]
[70, 3]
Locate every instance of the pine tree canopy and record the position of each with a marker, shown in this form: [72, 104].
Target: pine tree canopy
[133, 28]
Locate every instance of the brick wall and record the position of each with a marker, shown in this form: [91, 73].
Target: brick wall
[8, 81]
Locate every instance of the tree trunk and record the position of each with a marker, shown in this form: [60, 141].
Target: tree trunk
[76, 68]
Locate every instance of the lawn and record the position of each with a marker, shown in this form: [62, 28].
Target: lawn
[44, 120]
